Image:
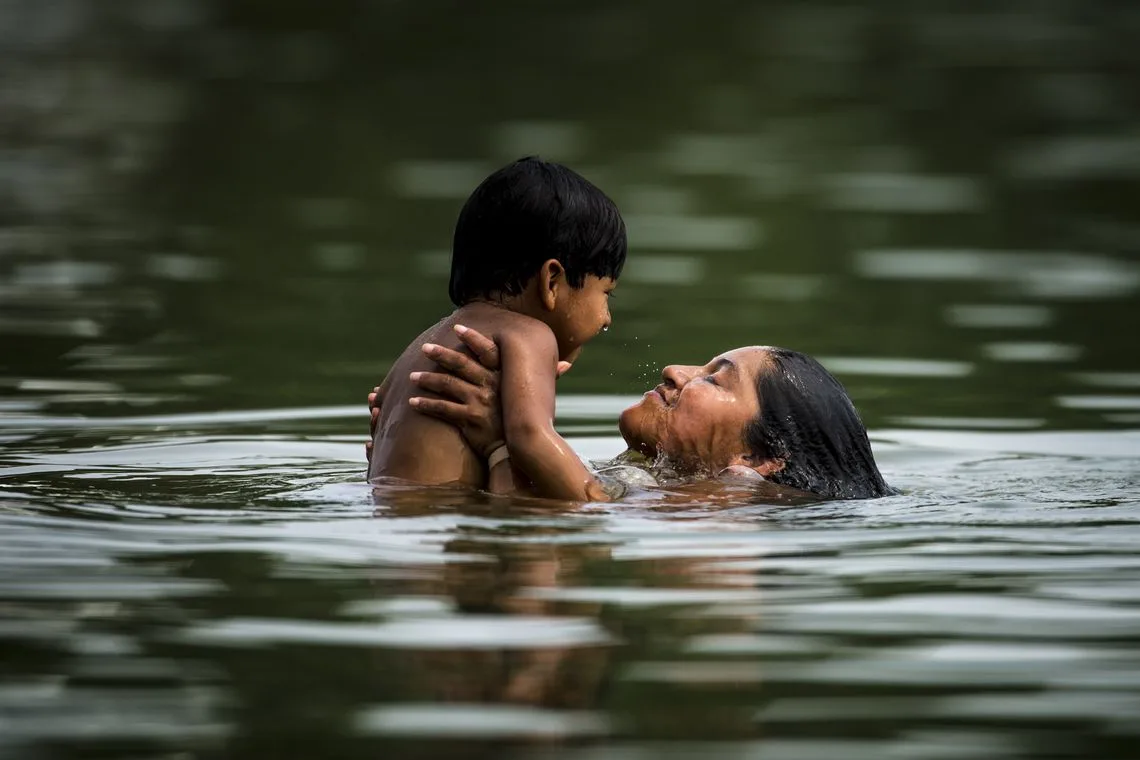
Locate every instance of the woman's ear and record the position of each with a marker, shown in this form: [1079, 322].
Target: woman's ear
[551, 283]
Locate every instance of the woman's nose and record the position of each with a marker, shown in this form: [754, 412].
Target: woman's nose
[677, 375]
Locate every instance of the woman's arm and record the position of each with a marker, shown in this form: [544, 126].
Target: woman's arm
[501, 478]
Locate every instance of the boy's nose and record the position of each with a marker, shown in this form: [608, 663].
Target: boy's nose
[677, 375]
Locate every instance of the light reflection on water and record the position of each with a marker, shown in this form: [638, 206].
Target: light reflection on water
[147, 577]
[216, 225]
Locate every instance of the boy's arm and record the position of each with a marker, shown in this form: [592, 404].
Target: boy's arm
[529, 357]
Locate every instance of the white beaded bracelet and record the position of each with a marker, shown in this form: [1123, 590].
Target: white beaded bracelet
[499, 454]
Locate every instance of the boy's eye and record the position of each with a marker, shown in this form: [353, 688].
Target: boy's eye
[712, 379]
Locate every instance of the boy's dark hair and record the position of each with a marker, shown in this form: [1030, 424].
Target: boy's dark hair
[807, 420]
[524, 214]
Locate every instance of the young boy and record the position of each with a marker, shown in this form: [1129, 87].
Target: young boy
[536, 253]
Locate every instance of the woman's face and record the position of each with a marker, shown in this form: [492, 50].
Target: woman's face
[698, 415]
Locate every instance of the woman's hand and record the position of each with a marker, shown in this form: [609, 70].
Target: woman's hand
[470, 390]
[374, 404]
[473, 385]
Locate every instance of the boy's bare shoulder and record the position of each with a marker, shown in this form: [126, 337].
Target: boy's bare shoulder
[518, 329]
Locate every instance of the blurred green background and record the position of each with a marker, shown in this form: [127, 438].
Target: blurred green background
[244, 203]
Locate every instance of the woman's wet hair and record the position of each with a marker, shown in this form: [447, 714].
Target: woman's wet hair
[807, 420]
[521, 216]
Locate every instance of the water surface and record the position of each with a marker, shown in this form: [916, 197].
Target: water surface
[222, 221]
[230, 585]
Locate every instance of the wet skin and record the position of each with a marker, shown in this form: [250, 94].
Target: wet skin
[697, 416]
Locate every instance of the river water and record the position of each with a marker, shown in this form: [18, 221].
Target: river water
[223, 221]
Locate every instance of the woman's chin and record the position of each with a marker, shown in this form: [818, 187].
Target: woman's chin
[625, 424]
[633, 428]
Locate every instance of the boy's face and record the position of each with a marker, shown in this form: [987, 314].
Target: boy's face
[585, 314]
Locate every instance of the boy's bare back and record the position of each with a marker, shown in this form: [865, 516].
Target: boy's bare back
[414, 446]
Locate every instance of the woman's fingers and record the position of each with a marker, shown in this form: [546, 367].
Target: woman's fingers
[563, 368]
[458, 364]
[448, 411]
[373, 410]
[374, 419]
[483, 347]
[445, 385]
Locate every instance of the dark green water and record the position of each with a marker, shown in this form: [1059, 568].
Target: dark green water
[220, 222]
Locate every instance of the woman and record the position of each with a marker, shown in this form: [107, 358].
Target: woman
[758, 411]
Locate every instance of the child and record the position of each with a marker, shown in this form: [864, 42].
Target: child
[536, 253]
